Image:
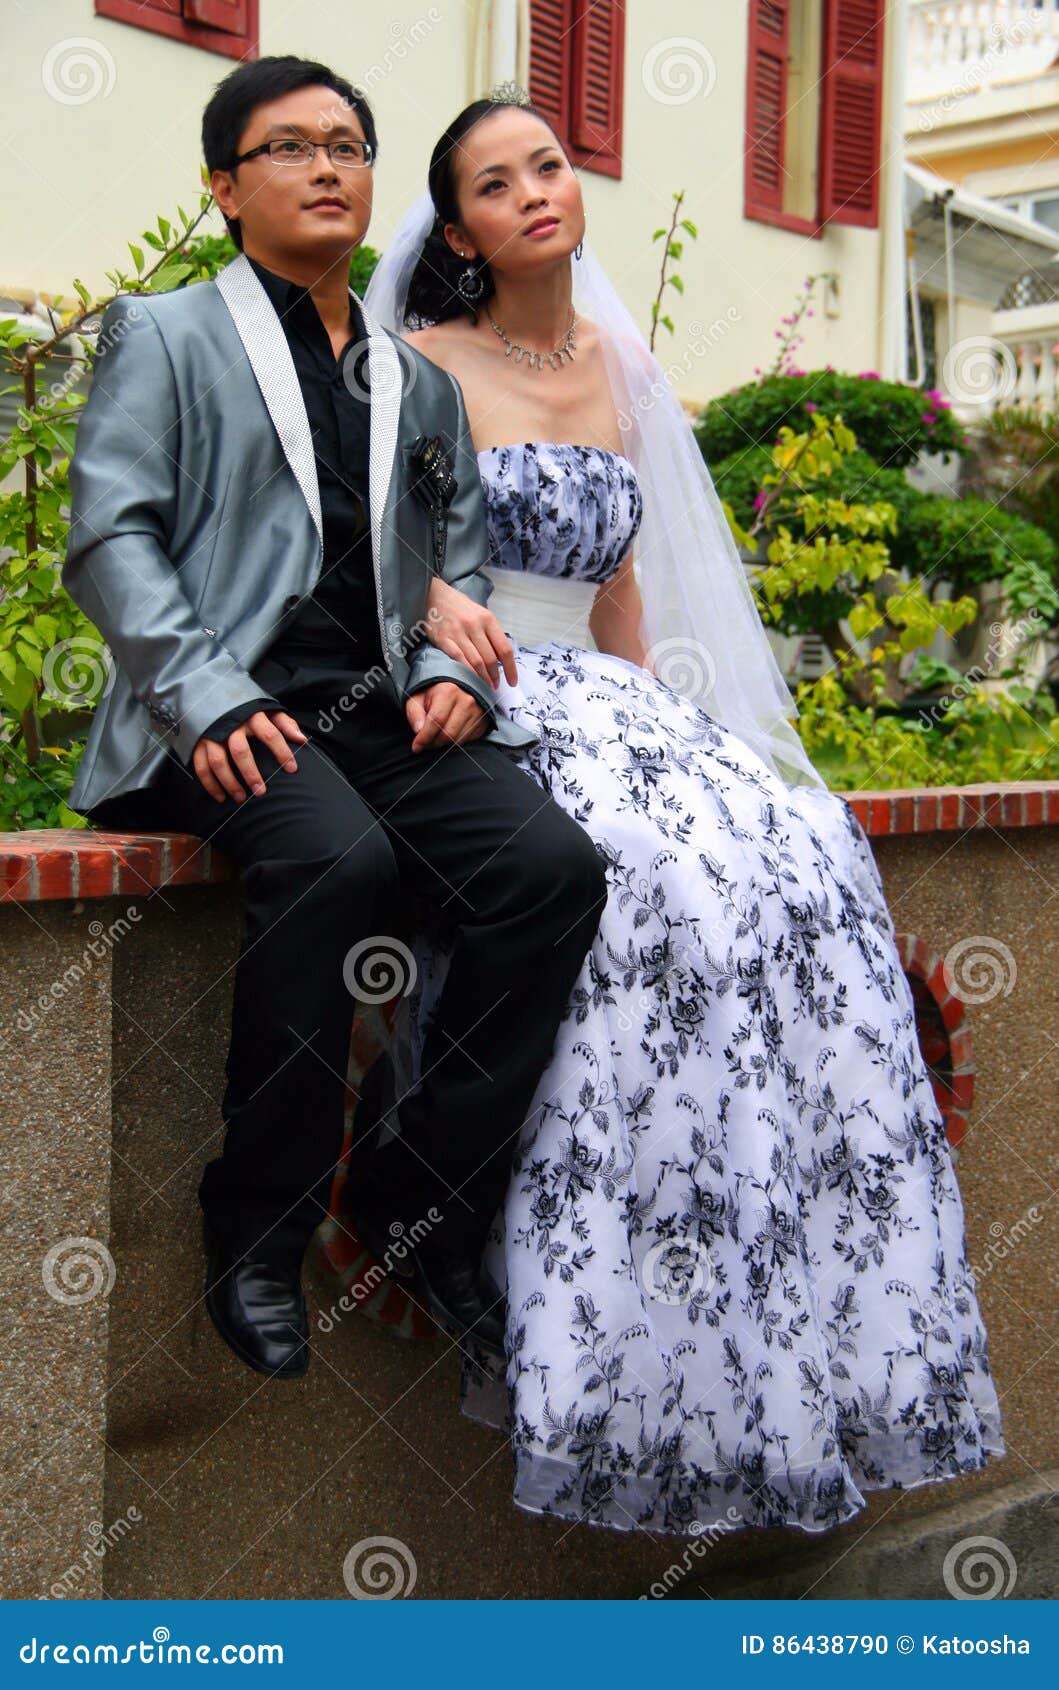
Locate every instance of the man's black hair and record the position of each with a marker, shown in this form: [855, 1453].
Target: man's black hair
[253, 84]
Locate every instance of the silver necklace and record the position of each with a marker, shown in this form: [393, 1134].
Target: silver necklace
[537, 360]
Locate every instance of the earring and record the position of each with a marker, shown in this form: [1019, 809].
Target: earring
[469, 284]
[577, 249]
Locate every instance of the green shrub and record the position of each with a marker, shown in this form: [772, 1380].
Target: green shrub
[893, 422]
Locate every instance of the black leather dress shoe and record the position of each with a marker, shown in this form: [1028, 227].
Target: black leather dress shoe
[258, 1309]
[460, 1297]
[456, 1293]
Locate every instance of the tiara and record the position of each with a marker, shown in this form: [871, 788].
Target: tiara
[510, 93]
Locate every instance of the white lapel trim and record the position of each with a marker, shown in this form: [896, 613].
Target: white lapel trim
[262, 335]
[386, 380]
[270, 357]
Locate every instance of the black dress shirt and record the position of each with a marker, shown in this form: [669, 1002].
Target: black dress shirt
[338, 625]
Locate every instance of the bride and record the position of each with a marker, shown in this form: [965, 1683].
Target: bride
[733, 1243]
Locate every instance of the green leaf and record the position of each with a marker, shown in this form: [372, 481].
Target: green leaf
[137, 257]
[170, 276]
[32, 659]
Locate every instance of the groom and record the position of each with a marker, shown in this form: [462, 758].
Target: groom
[269, 495]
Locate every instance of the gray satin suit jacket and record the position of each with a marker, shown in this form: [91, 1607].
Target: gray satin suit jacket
[195, 527]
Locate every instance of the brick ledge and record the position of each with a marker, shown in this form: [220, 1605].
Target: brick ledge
[44, 863]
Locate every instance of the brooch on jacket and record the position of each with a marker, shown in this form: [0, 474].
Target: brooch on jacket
[434, 486]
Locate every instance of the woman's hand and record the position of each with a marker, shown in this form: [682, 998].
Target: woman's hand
[445, 712]
[469, 632]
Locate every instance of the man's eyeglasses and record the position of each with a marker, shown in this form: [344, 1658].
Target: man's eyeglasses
[347, 155]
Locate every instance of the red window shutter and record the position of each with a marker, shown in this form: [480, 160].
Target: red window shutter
[214, 26]
[218, 14]
[766, 106]
[596, 93]
[851, 111]
[551, 22]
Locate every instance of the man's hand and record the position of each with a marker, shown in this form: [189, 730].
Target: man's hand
[469, 632]
[212, 759]
[444, 714]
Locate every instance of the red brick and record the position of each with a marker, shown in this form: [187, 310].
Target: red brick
[961, 1050]
[952, 1011]
[972, 808]
[902, 814]
[950, 810]
[1033, 807]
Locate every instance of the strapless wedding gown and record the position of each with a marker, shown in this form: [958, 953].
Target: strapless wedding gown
[733, 1243]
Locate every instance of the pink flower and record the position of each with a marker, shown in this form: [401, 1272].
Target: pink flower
[760, 499]
[809, 406]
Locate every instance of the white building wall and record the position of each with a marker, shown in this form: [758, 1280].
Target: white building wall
[102, 121]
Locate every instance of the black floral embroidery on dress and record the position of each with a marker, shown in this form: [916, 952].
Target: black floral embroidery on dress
[733, 1245]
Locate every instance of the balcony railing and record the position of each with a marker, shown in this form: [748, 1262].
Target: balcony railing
[1029, 339]
[968, 44]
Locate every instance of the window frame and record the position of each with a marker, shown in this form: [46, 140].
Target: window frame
[168, 18]
[838, 78]
[566, 101]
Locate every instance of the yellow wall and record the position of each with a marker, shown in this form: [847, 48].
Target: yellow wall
[969, 161]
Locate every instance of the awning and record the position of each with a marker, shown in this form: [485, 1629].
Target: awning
[990, 247]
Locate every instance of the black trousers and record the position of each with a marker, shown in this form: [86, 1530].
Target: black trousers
[336, 859]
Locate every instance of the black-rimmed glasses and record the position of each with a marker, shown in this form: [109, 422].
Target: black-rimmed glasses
[347, 155]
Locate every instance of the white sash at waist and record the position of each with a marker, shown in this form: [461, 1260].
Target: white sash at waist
[535, 608]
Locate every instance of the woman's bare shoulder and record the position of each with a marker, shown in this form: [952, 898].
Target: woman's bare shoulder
[440, 342]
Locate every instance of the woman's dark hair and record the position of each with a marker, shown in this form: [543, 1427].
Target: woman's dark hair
[234, 101]
[433, 296]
